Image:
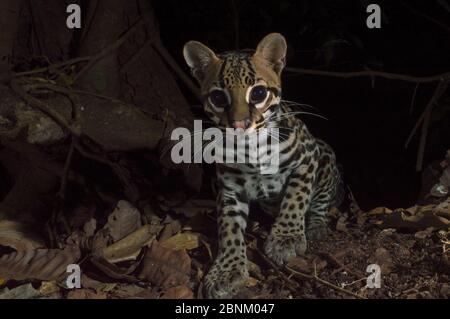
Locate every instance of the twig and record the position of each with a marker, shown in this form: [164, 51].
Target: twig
[387, 75]
[413, 99]
[65, 91]
[423, 137]
[324, 282]
[425, 16]
[44, 108]
[74, 129]
[293, 285]
[61, 195]
[66, 169]
[8, 77]
[338, 263]
[440, 89]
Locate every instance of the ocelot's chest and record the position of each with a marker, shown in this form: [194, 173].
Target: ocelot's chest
[267, 187]
[253, 186]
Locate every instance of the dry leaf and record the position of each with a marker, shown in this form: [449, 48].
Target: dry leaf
[48, 287]
[178, 292]
[180, 241]
[172, 227]
[89, 283]
[402, 220]
[22, 292]
[422, 234]
[300, 264]
[251, 282]
[129, 247]
[19, 236]
[319, 263]
[341, 224]
[165, 267]
[146, 294]
[254, 270]
[85, 294]
[100, 241]
[379, 211]
[123, 291]
[114, 271]
[414, 218]
[360, 218]
[124, 220]
[89, 227]
[41, 264]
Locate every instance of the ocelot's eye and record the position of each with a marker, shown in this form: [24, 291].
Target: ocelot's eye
[258, 94]
[218, 98]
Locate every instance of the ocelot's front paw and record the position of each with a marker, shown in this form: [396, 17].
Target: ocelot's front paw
[223, 283]
[282, 248]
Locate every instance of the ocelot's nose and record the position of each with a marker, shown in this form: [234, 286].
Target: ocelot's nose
[244, 124]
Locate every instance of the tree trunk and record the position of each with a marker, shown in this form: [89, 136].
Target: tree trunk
[9, 17]
[104, 28]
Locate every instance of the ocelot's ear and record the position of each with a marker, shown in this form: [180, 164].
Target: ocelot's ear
[273, 49]
[198, 56]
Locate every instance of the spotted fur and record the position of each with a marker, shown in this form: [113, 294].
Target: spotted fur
[299, 194]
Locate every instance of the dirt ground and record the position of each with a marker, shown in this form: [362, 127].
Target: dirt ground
[412, 266]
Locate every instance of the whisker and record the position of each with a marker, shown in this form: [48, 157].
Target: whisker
[286, 114]
[293, 103]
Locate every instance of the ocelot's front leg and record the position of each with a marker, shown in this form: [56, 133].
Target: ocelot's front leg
[287, 237]
[229, 270]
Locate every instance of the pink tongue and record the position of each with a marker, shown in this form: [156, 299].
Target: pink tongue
[239, 124]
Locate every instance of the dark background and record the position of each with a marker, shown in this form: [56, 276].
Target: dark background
[369, 119]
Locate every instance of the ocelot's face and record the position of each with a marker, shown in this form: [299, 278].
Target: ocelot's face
[240, 89]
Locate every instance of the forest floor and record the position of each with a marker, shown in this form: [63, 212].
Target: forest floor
[168, 257]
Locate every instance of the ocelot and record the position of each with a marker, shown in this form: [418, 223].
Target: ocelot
[242, 89]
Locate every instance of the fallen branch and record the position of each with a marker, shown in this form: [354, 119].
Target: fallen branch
[324, 282]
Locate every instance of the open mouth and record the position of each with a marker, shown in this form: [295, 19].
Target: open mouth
[244, 124]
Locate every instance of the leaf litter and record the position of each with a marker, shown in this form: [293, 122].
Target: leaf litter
[130, 255]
